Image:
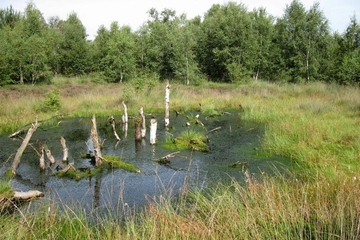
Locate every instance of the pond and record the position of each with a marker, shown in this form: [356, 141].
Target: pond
[117, 189]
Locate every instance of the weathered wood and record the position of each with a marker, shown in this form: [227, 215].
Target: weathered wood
[166, 159]
[48, 154]
[153, 128]
[23, 145]
[64, 148]
[27, 195]
[67, 168]
[125, 117]
[143, 123]
[167, 105]
[22, 129]
[42, 159]
[137, 124]
[213, 130]
[96, 143]
[112, 122]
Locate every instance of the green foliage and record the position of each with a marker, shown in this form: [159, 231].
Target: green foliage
[5, 190]
[51, 103]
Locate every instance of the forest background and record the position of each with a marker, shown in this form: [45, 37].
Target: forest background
[229, 44]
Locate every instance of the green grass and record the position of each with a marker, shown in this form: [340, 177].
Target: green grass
[314, 125]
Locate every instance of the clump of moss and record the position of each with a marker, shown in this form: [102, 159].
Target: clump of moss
[188, 140]
[109, 162]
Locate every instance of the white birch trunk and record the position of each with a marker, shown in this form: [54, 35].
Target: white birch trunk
[125, 117]
[153, 128]
[143, 124]
[112, 122]
[167, 105]
[96, 143]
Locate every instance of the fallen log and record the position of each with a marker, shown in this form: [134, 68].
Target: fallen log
[21, 149]
[213, 130]
[67, 168]
[11, 203]
[166, 159]
[22, 129]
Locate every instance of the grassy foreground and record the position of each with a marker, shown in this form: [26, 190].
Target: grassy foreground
[315, 125]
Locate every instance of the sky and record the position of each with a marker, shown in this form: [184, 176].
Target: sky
[94, 13]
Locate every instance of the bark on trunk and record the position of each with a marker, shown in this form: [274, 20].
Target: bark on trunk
[167, 105]
[153, 128]
[65, 149]
[96, 142]
[21, 149]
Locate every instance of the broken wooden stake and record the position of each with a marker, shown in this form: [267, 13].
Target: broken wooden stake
[125, 117]
[65, 149]
[112, 122]
[42, 159]
[143, 123]
[167, 105]
[137, 124]
[21, 149]
[96, 142]
[48, 154]
[153, 128]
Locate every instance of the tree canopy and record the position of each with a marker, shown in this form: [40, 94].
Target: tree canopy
[228, 44]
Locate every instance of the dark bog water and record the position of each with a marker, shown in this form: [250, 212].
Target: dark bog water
[235, 141]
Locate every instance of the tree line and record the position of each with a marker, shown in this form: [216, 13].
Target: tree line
[228, 44]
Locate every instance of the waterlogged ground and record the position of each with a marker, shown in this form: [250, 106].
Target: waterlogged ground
[118, 189]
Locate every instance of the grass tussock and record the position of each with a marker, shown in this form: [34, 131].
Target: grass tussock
[315, 125]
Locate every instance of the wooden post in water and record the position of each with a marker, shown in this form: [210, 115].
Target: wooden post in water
[137, 124]
[23, 145]
[65, 149]
[48, 154]
[167, 104]
[96, 142]
[125, 117]
[42, 159]
[153, 128]
[143, 124]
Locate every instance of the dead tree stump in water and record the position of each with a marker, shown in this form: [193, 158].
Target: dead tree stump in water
[96, 142]
[143, 123]
[48, 154]
[23, 145]
[65, 149]
[153, 128]
[167, 104]
[138, 136]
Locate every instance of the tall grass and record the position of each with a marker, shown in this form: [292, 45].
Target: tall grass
[315, 125]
